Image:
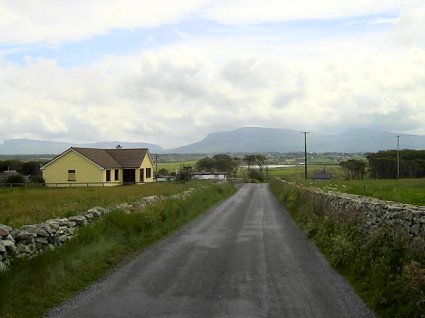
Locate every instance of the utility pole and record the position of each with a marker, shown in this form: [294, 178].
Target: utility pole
[305, 153]
[398, 157]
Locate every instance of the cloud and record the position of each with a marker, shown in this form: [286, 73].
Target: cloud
[56, 21]
[240, 75]
[266, 11]
[411, 26]
[176, 95]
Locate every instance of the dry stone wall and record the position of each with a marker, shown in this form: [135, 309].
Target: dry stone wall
[31, 240]
[374, 213]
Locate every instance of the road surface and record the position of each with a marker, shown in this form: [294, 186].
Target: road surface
[244, 258]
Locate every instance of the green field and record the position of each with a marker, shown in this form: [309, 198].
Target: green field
[296, 173]
[19, 206]
[411, 191]
[176, 166]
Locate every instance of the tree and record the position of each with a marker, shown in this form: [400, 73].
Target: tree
[218, 163]
[163, 172]
[354, 169]
[383, 164]
[249, 161]
[30, 168]
[16, 179]
[260, 160]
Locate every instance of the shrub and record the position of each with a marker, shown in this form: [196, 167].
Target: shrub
[15, 179]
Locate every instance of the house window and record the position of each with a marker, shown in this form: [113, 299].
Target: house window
[71, 175]
[148, 172]
[108, 175]
[117, 174]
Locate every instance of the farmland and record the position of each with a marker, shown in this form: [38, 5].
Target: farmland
[19, 206]
[410, 191]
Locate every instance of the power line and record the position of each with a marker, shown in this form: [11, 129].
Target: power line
[372, 8]
[399, 22]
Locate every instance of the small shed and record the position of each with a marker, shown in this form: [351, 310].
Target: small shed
[322, 175]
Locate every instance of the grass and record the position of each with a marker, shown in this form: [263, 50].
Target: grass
[173, 166]
[296, 173]
[409, 191]
[386, 267]
[19, 206]
[28, 289]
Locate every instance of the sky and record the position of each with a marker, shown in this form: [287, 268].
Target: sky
[171, 72]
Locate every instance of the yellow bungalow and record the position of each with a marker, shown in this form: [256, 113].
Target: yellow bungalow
[104, 167]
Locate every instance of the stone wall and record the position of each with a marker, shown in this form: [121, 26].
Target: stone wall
[374, 213]
[30, 240]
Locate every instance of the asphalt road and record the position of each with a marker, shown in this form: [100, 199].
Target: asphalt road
[244, 258]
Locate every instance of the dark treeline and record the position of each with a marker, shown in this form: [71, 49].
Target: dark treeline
[219, 163]
[383, 164]
[27, 168]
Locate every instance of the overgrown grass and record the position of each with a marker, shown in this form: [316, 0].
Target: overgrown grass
[296, 173]
[31, 287]
[386, 267]
[19, 206]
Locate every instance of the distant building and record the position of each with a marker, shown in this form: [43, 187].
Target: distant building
[322, 175]
[209, 176]
[91, 166]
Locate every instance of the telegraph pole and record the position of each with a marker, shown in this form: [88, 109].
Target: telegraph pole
[398, 157]
[305, 153]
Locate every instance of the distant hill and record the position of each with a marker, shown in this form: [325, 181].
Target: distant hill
[255, 139]
[248, 139]
[28, 146]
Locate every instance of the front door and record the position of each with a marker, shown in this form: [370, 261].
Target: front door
[142, 175]
[129, 175]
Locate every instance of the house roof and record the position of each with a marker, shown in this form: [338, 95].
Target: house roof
[322, 175]
[110, 158]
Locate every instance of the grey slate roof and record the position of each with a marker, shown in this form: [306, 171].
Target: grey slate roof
[114, 158]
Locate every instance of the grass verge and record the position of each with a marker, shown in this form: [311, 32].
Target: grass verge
[386, 267]
[33, 286]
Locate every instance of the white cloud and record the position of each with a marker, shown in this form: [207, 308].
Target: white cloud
[176, 95]
[263, 11]
[55, 21]
[411, 26]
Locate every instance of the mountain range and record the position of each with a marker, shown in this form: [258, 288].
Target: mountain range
[255, 139]
[247, 139]
[29, 146]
